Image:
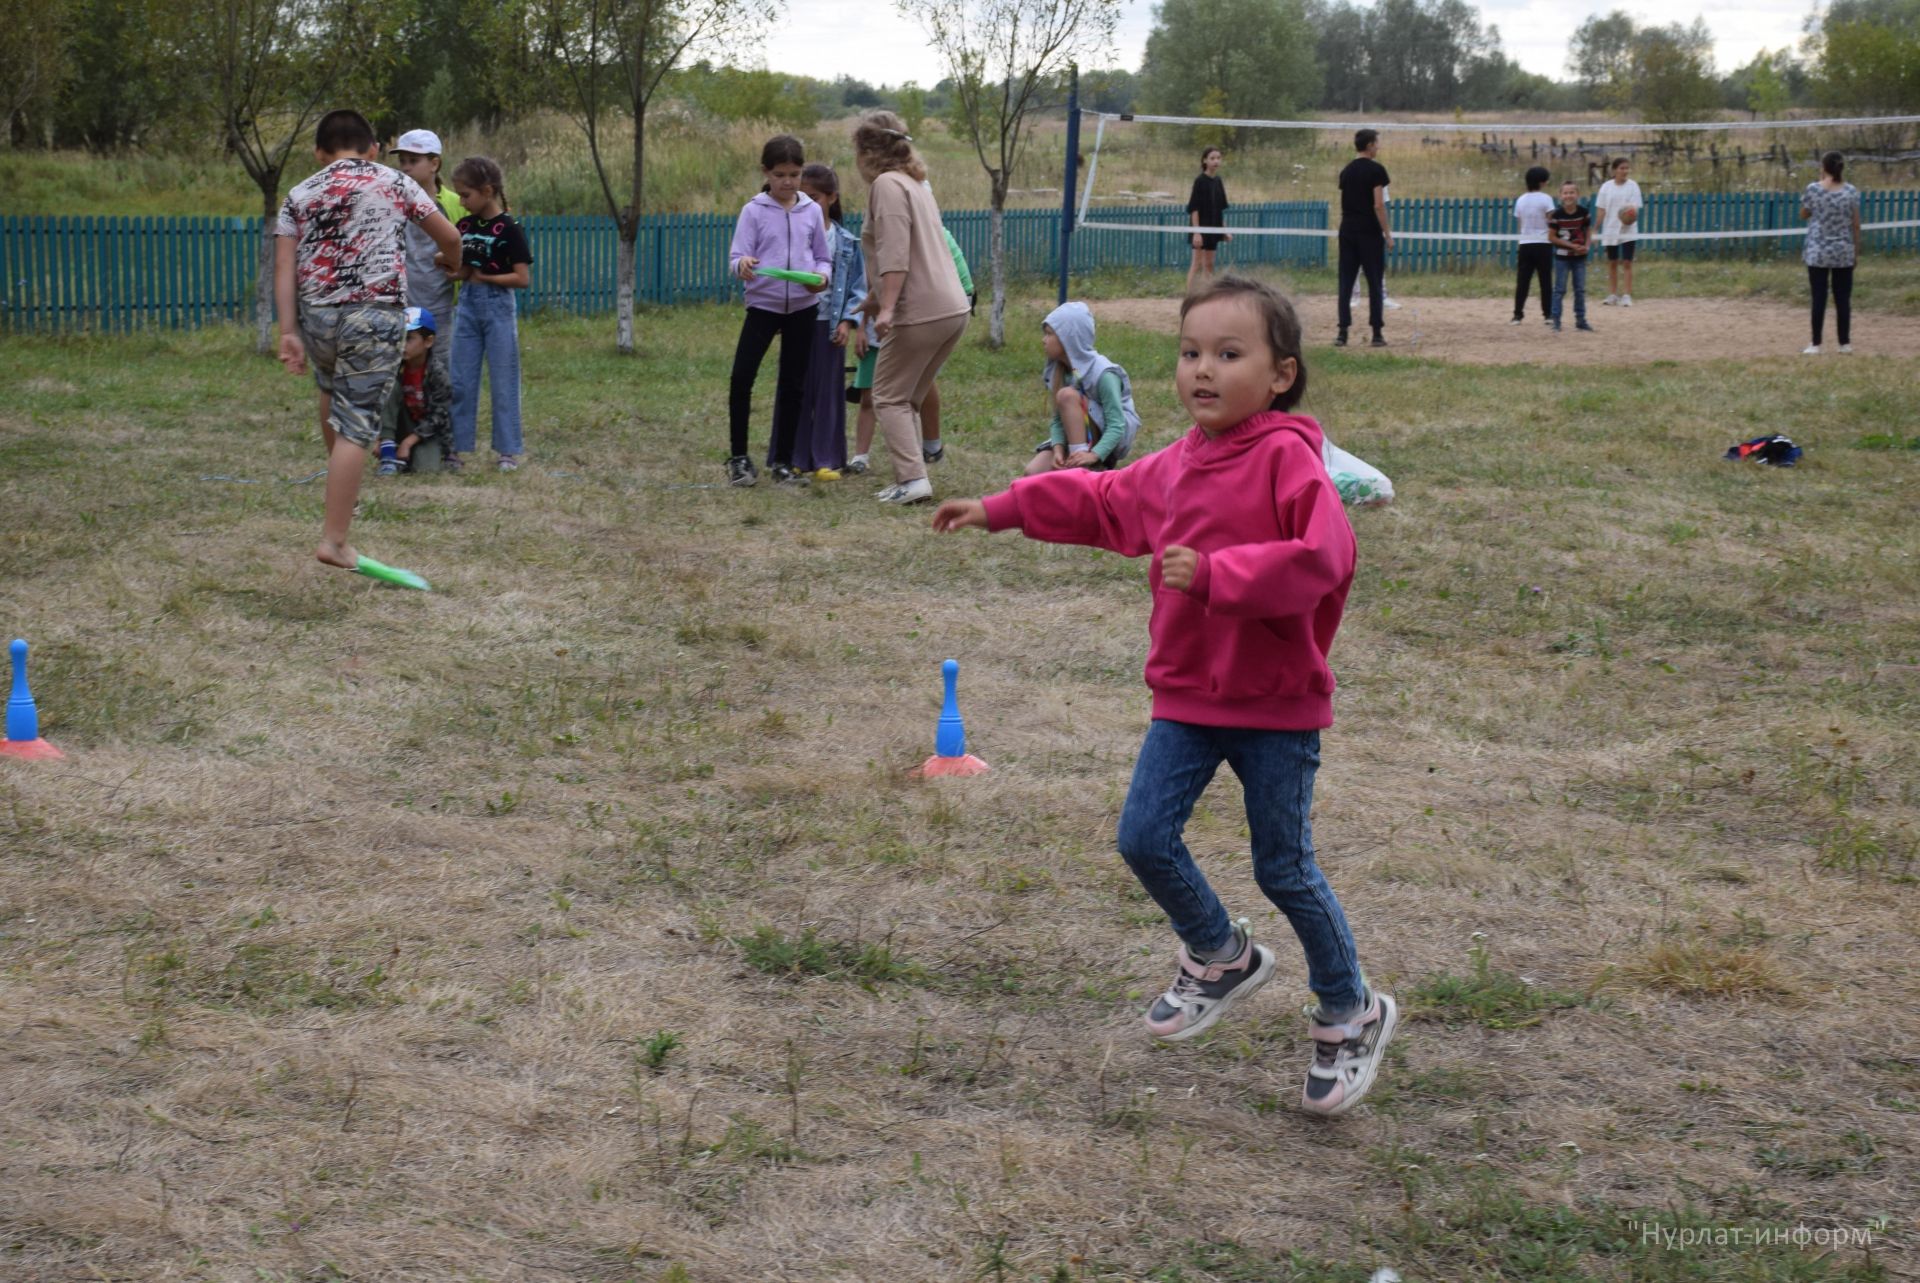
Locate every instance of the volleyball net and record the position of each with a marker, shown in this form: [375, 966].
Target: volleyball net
[1712, 189]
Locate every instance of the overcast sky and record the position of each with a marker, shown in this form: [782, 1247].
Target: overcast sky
[869, 40]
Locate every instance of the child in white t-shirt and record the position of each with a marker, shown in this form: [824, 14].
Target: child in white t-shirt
[1616, 212]
[1531, 211]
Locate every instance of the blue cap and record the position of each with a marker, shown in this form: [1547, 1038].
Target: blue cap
[419, 318]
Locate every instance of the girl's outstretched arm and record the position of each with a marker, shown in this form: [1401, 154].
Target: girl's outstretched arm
[1119, 511]
[958, 514]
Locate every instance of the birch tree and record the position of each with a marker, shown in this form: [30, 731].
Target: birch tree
[612, 56]
[1005, 58]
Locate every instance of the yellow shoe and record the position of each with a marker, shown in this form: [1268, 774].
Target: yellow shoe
[825, 474]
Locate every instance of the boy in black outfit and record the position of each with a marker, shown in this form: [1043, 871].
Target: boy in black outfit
[1365, 236]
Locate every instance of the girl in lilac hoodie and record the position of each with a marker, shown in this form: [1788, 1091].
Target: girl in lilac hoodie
[780, 227]
[1252, 559]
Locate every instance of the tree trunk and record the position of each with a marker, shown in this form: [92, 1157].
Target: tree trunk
[623, 289]
[630, 235]
[997, 255]
[263, 286]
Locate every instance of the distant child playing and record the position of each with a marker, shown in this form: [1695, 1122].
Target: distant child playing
[1252, 560]
[417, 155]
[1094, 422]
[1531, 211]
[820, 445]
[494, 261]
[1570, 229]
[1616, 216]
[782, 228]
[416, 427]
[1206, 207]
[340, 280]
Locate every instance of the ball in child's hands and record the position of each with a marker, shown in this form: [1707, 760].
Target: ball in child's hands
[1629, 216]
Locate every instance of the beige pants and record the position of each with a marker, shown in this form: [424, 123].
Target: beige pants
[909, 362]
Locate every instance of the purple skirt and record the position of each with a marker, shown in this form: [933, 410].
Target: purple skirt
[820, 441]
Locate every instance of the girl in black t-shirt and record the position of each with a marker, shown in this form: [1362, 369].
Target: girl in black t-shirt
[1206, 208]
[494, 264]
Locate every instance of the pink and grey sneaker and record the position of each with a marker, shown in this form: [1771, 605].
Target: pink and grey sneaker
[1346, 1057]
[1203, 992]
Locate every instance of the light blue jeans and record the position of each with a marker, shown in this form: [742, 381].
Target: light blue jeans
[1276, 770]
[485, 326]
[1575, 268]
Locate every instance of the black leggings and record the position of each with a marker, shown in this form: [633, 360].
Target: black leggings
[796, 348]
[1842, 301]
[1535, 260]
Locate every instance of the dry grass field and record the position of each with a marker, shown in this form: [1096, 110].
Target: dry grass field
[580, 921]
[696, 165]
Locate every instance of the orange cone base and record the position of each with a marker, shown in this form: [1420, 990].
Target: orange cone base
[40, 750]
[935, 767]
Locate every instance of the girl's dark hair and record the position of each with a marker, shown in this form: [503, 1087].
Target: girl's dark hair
[880, 138]
[482, 171]
[1835, 164]
[1283, 326]
[782, 149]
[1615, 163]
[823, 180]
[1537, 177]
[1208, 151]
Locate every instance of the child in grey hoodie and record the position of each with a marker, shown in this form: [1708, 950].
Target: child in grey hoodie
[782, 228]
[1094, 422]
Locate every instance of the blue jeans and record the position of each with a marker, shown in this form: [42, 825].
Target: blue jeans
[1276, 770]
[1576, 267]
[484, 325]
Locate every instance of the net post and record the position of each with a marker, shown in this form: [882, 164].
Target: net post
[1073, 167]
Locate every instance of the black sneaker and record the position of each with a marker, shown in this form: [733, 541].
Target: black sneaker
[1346, 1057]
[1379, 339]
[1340, 339]
[1203, 992]
[741, 472]
[785, 475]
[1582, 325]
[934, 453]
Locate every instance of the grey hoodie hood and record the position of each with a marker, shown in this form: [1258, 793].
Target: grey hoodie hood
[1073, 324]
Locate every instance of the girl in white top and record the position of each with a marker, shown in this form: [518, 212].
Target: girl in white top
[1536, 254]
[1616, 212]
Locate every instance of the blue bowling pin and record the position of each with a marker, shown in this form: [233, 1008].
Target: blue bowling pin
[951, 739]
[23, 719]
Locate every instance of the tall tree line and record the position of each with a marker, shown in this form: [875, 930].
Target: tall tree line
[1277, 58]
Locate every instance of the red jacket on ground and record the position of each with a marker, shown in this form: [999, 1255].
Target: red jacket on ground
[1246, 644]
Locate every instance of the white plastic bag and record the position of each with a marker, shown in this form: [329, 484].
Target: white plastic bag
[1359, 482]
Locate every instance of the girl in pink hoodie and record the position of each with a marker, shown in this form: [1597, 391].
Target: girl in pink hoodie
[1252, 559]
[781, 227]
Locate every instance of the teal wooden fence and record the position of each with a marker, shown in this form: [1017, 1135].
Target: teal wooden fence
[114, 275]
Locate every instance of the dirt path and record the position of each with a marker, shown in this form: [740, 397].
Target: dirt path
[1477, 332]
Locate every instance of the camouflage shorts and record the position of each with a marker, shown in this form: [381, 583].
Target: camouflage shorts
[355, 352]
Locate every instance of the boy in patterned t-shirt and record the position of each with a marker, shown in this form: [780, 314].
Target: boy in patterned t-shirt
[1570, 229]
[340, 279]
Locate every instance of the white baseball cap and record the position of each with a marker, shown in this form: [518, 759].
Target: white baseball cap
[422, 142]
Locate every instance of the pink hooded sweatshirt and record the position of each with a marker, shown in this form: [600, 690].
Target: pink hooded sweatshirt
[793, 238]
[1246, 644]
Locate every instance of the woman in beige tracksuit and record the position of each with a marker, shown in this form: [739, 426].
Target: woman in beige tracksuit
[913, 292]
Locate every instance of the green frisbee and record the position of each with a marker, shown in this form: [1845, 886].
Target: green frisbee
[391, 575]
[787, 274]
